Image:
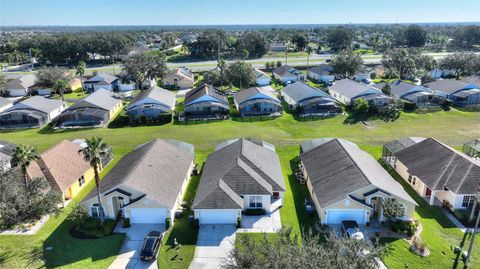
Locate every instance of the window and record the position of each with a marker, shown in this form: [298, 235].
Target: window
[81, 181]
[410, 178]
[95, 211]
[467, 200]
[255, 202]
[414, 181]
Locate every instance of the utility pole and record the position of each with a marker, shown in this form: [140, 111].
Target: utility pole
[475, 229]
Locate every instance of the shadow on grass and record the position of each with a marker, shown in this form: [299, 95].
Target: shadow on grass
[50, 130]
[458, 256]
[4, 257]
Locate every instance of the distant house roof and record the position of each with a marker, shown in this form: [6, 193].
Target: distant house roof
[451, 86]
[61, 165]
[400, 88]
[157, 169]
[254, 93]
[181, 73]
[300, 91]
[158, 94]
[238, 167]
[205, 90]
[337, 167]
[352, 89]
[38, 103]
[102, 99]
[402, 143]
[322, 70]
[102, 77]
[260, 74]
[23, 82]
[286, 71]
[441, 167]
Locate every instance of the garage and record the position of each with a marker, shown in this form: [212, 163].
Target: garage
[336, 216]
[148, 215]
[217, 216]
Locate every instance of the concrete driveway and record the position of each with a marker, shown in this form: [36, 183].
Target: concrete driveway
[214, 243]
[129, 256]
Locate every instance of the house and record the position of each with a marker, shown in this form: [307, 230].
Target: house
[471, 148]
[346, 183]
[205, 101]
[461, 93]
[437, 172]
[20, 86]
[33, 112]
[241, 174]
[256, 101]
[101, 81]
[147, 185]
[181, 78]
[364, 74]
[64, 167]
[287, 74]
[73, 85]
[105, 160]
[5, 104]
[94, 110]
[472, 80]
[346, 91]
[278, 47]
[6, 152]
[437, 73]
[419, 95]
[308, 100]
[151, 104]
[262, 78]
[321, 73]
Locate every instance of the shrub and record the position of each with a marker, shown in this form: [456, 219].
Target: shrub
[239, 222]
[461, 214]
[78, 215]
[254, 211]
[167, 223]
[196, 223]
[126, 223]
[409, 106]
[404, 227]
[93, 227]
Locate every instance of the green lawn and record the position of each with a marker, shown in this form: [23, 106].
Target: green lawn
[453, 127]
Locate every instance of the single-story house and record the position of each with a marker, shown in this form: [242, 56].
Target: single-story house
[205, 101]
[262, 78]
[73, 84]
[346, 91]
[346, 183]
[5, 104]
[94, 110]
[419, 95]
[101, 81]
[460, 92]
[105, 160]
[151, 104]
[6, 152]
[20, 86]
[471, 148]
[287, 74]
[241, 174]
[437, 73]
[438, 172]
[308, 100]
[256, 101]
[64, 167]
[322, 73]
[33, 112]
[147, 185]
[181, 78]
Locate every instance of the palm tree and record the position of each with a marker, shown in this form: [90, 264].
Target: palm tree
[95, 150]
[81, 66]
[221, 65]
[23, 155]
[309, 51]
[60, 86]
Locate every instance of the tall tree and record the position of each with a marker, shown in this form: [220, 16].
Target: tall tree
[23, 156]
[415, 36]
[309, 51]
[240, 74]
[48, 76]
[60, 86]
[404, 61]
[339, 38]
[346, 63]
[145, 66]
[221, 63]
[80, 70]
[300, 41]
[460, 63]
[94, 152]
[254, 42]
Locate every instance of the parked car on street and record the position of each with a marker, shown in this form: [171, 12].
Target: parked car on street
[351, 230]
[150, 246]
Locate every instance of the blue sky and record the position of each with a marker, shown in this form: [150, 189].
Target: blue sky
[204, 12]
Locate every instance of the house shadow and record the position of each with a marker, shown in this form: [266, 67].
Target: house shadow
[50, 130]
[61, 249]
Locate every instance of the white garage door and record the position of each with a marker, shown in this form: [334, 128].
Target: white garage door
[218, 216]
[336, 216]
[148, 215]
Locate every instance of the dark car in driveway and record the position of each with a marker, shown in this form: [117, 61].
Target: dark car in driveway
[150, 246]
[351, 230]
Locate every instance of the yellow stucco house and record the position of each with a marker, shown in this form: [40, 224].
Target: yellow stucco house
[64, 168]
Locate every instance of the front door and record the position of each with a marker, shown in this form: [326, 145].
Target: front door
[428, 192]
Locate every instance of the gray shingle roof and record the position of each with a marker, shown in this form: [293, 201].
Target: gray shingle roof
[4, 102]
[399, 87]
[447, 85]
[158, 94]
[157, 169]
[243, 95]
[350, 88]
[472, 80]
[323, 69]
[102, 77]
[439, 166]
[402, 143]
[39, 103]
[23, 82]
[238, 167]
[203, 90]
[299, 91]
[285, 71]
[337, 167]
[102, 99]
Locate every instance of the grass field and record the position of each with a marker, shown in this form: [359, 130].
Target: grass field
[453, 127]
